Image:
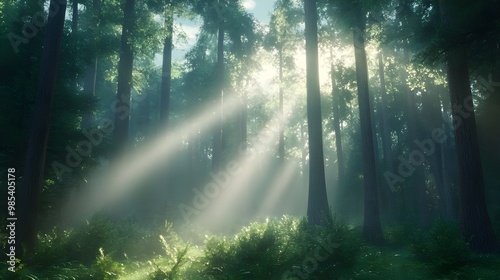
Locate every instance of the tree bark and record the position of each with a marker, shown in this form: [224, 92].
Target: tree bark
[89, 83]
[317, 203]
[386, 130]
[125, 68]
[431, 111]
[336, 129]
[31, 188]
[372, 230]
[281, 145]
[166, 78]
[387, 198]
[475, 223]
[415, 133]
[219, 99]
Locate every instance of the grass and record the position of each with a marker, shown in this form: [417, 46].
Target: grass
[266, 250]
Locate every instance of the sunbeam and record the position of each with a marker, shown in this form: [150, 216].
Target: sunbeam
[130, 168]
[238, 190]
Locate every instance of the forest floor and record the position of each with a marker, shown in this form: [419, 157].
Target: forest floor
[277, 249]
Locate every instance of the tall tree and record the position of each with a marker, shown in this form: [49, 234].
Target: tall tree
[125, 67]
[475, 223]
[317, 203]
[336, 127]
[29, 193]
[166, 77]
[372, 229]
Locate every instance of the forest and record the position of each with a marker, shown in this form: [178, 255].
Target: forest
[250, 139]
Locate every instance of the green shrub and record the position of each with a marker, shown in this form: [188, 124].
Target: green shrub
[277, 249]
[105, 268]
[442, 248]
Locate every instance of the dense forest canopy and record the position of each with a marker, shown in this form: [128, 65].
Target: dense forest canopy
[250, 139]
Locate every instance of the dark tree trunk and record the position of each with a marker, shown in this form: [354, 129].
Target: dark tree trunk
[125, 67]
[29, 193]
[281, 129]
[387, 197]
[89, 83]
[386, 130]
[415, 133]
[74, 18]
[336, 129]
[431, 112]
[243, 120]
[475, 222]
[372, 230]
[166, 78]
[219, 98]
[317, 203]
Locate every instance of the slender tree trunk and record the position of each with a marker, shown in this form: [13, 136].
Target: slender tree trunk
[317, 203]
[386, 194]
[431, 111]
[475, 222]
[386, 130]
[166, 77]
[219, 98]
[372, 230]
[74, 18]
[125, 68]
[336, 129]
[281, 129]
[89, 83]
[243, 120]
[29, 193]
[415, 133]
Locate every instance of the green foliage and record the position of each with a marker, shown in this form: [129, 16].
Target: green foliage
[275, 247]
[397, 236]
[105, 268]
[442, 248]
[176, 256]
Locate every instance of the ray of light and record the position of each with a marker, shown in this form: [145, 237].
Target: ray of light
[277, 189]
[234, 195]
[126, 171]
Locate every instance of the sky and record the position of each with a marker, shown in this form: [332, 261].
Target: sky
[261, 9]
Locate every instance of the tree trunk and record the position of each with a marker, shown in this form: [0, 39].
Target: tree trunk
[125, 68]
[386, 130]
[166, 77]
[336, 129]
[372, 230]
[415, 133]
[475, 222]
[219, 98]
[281, 145]
[31, 188]
[89, 82]
[387, 197]
[431, 111]
[243, 120]
[317, 203]
[74, 18]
